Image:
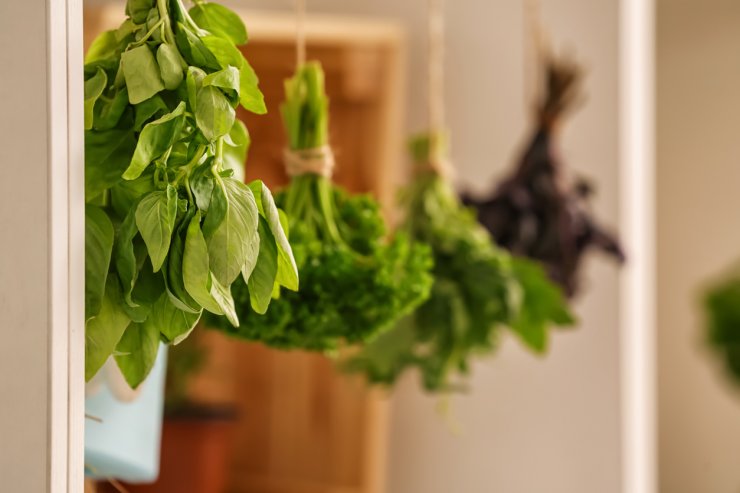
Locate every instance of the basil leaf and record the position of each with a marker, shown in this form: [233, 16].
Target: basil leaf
[104, 46]
[220, 21]
[174, 276]
[226, 79]
[201, 184]
[218, 207]
[155, 218]
[222, 295]
[251, 98]
[194, 81]
[103, 331]
[195, 271]
[98, 247]
[175, 325]
[94, 87]
[237, 146]
[154, 140]
[235, 241]
[107, 154]
[194, 50]
[262, 280]
[170, 68]
[126, 264]
[138, 10]
[137, 352]
[144, 111]
[213, 114]
[108, 113]
[125, 195]
[287, 269]
[141, 73]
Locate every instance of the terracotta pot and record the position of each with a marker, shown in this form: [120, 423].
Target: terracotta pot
[195, 453]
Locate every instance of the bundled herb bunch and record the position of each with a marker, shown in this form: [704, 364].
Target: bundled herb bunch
[479, 289]
[535, 212]
[354, 283]
[722, 308]
[169, 228]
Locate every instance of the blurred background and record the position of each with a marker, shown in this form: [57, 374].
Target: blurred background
[287, 423]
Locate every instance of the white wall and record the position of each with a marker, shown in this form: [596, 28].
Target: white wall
[531, 426]
[698, 236]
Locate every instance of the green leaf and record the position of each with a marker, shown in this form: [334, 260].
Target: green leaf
[108, 113]
[287, 274]
[220, 21]
[193, 82]
[194, 50]
[104, 46]
[98, 247]
[125, 260]
[170, 68]
[213, 114]
[262, 280]
[125, 195]
[138, 10]
[235, 241]
[237, 146]
[94, 87]
[250, 96]
[154, 140]
[175, 284]
[141, 73]
[107, 154]
[542, 304]
[174, 324]
[144, 111]
[227, 79]
[155, 218]
[103, 331]
[200, 284]
[137, 352]
[201, 184]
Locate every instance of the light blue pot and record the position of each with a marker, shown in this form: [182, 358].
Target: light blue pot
[125, 445]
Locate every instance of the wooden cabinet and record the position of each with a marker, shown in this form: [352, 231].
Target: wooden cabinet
[303, 427]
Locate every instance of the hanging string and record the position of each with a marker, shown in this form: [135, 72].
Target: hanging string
[318, 161]
[535, 53]
[435, 57]
[300, 15]
[437, 158]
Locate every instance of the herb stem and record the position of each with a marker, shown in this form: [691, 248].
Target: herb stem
[149, 33]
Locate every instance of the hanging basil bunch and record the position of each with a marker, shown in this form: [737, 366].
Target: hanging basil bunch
[354, 283]
[169, 226]
[479, 289]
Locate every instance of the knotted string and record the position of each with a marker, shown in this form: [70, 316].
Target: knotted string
[318, 161]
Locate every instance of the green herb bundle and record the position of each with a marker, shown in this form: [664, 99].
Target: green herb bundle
[354, 283]
[169, 228]
[479, 289]
[722, 307]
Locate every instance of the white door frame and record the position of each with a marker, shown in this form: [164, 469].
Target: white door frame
[637, 210]
[42, 257]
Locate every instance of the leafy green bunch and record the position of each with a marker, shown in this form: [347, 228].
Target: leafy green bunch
[479, 289]
[169, 227]
[354, 283]
[722, 308]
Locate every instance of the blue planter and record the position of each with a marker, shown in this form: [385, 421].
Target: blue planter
[125, 444]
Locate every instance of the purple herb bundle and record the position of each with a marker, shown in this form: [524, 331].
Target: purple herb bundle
[535, 212]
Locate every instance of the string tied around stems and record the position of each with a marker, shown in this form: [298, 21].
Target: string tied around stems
[319, 161]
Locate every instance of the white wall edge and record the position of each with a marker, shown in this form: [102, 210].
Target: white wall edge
[637, 211]
[66, 247]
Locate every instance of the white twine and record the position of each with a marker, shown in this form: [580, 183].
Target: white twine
[300, 42]
[435, 59]
[318, 161]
